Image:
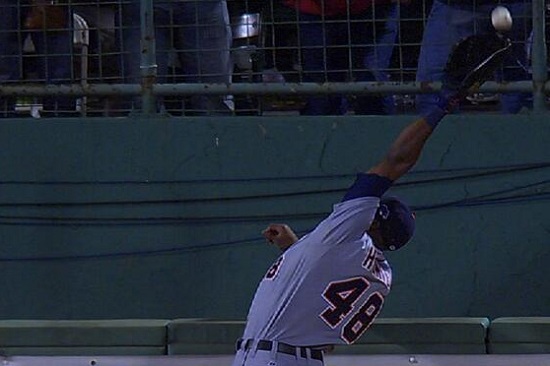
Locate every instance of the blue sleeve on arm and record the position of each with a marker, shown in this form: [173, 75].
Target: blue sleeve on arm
[368, 185]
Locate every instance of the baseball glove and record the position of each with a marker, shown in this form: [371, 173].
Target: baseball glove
[473, 61]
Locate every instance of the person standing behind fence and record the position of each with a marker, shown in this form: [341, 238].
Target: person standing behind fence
[346, 41]
[450, 21]
[50, 62]
[197, 33]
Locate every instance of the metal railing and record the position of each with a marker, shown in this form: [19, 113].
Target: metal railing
[149, 89]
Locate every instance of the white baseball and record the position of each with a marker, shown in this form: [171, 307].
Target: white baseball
[501, 19]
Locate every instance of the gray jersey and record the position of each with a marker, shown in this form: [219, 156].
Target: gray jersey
[328, 287]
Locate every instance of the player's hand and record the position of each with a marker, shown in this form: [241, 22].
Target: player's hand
[281, 235]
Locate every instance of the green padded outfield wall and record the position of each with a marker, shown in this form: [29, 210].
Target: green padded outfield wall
[121, 218]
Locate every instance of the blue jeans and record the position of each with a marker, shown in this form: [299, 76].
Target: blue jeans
[448, 24]
[326, 50]
[192, 36]
[52, 66]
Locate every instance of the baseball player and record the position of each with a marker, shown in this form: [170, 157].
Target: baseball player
[327, 287]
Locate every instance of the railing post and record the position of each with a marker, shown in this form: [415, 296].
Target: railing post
[538, 59]
[148, 64]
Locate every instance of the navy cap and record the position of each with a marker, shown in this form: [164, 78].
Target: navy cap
[397, 223]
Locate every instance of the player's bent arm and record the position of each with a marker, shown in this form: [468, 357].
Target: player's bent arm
[405, 150]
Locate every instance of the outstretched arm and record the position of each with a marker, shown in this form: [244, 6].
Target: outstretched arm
[405, 150]
[472, 62]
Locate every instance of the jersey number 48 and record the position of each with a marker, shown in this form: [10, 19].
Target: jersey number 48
[343, 298]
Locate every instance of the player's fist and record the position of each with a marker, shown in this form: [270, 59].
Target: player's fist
[281, 235]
